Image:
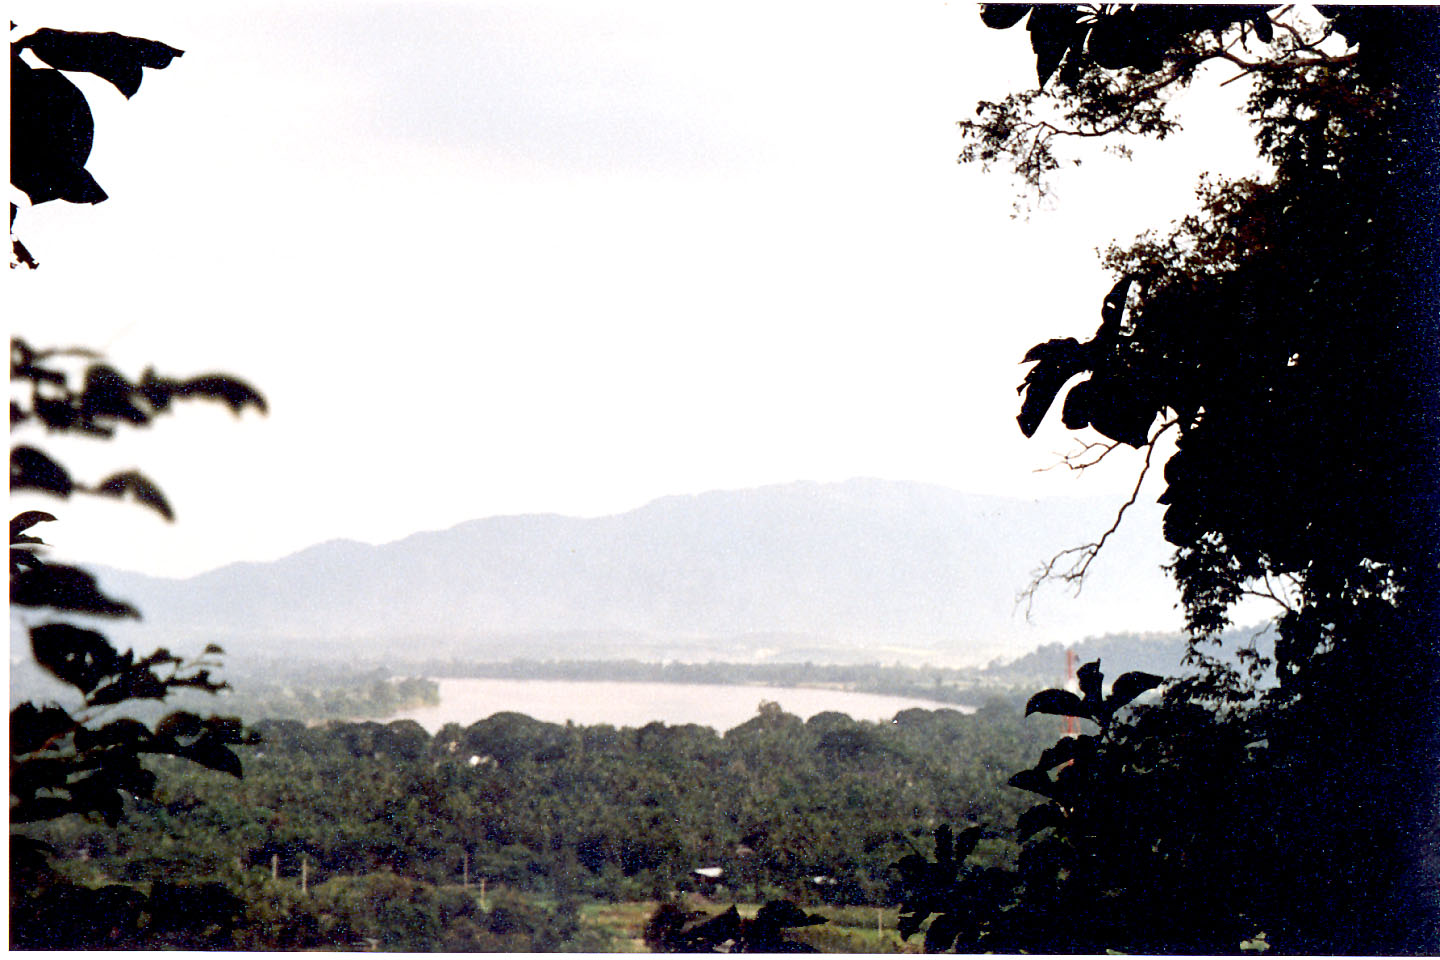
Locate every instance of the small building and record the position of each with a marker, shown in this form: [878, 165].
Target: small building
[708, 878]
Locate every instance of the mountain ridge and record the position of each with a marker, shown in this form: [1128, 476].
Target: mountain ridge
[856, 563]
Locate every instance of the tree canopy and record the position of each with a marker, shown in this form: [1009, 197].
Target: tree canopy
[1286, 335]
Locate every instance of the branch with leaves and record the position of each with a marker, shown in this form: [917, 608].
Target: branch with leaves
[51, 127]
[63, 762]
[1110, 71]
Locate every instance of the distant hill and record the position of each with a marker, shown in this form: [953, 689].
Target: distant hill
[860, 571]
[1155, 652]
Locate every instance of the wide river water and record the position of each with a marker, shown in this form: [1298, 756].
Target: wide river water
[721, 706]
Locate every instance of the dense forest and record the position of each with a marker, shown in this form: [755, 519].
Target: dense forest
[356, 834]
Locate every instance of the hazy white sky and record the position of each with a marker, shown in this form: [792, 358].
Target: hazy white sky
[490, 258]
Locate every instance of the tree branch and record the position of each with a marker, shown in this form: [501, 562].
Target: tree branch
[1079, 558]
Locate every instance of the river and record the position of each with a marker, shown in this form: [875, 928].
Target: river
[721, 706]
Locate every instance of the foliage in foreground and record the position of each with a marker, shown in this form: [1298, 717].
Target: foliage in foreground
[1287, 335]
[82, 758]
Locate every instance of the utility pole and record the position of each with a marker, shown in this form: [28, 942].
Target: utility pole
[304, 875]
[274, 866]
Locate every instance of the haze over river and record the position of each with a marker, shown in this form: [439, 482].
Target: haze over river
[721, 706]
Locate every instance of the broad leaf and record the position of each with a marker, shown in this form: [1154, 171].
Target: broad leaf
[212, 754]
[65, 588]
[24, 521]
[1060, 703]
[34, 728]
[117, 58]
[28, 777]
[134, 685]
[1003, 16]
[783, 913]
[909, 924]
[180, 724]
[1117, 407]
[913, 868]
[1263, 28]
[1064, 750]
[1091, 680]
[51, 132]
[1129, 686]
[965, 843]
[39, 809]
[1076, 412]
[1056, 361]
[32, 470]
[1053, 30]
[942, 933]
[1037, 818]
[1113, 308]
[945, 848]
[140, 486]
[236, 393]
[1035, 781]
[81, 658]
[131, 735]
[107, 394]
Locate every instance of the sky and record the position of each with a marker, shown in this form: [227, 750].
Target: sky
[490, 258]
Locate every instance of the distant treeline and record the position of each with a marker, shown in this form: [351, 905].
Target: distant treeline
[372, 694]
[1158, 653]
[941, 684]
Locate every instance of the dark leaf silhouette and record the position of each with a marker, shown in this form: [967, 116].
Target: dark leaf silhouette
[25, 520]
[81, 658]
[1091, 680]
[32, 728]
[38, 809]
[32, 470]
[213, 755]
[1112, 309]
[116, 58]
[237, 393]
[109, 396]
[945, 848]
[65, 588]
[1064, 750]
[180, 724]
[1053, 29]
[1037, 818]
[942, 933]
[136, 484]
[131, 734]
[1002, 16]
[61, 765]
[1035, 781]
[131, 685]
[1056, 361]
[1131, 685]
[1060, 703]
[783, 913]
[51, 133]
[966, 842]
